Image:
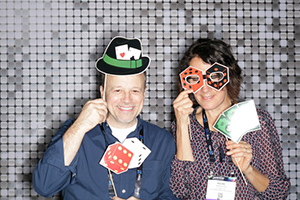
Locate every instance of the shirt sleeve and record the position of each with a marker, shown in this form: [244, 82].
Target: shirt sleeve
[51, 175]
[166, 193]
[179, 181]
[269, 159]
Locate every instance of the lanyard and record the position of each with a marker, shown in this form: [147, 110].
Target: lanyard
[208, 139]
[139, 171]
[210, 146]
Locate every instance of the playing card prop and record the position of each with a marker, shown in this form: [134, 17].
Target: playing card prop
[125, 53]
[121, 157]
[238, 120]
[216, 76]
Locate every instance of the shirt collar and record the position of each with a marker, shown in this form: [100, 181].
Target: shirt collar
[135, 133]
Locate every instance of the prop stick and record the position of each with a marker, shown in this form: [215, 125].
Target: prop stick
[111, 178]
[104, 86]
[112, 181]
[240, 168]
[189, 125]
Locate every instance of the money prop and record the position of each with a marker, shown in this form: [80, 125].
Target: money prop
[238, 120]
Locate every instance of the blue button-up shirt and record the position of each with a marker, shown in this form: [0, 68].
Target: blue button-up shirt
[85, 178]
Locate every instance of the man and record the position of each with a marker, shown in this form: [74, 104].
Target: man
[71, 162]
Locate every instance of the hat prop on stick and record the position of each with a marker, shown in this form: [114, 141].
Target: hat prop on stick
[122, 57]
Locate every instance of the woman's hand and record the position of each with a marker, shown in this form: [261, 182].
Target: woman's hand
[183, 106]
[241, 153]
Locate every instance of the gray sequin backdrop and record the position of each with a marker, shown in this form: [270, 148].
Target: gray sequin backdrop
[49, 48]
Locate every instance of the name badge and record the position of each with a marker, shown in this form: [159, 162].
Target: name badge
[221, 188]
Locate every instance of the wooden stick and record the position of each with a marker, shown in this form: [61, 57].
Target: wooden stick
[239, 168]
[241, 172]
[189, 125]
[104, 87]
[112, 181]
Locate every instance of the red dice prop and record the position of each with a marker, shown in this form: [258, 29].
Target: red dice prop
[116, 158]
[188, 72]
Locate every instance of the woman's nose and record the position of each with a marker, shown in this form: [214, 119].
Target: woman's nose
[205, 87]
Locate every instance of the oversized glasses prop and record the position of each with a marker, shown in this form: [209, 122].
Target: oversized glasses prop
[216, 76]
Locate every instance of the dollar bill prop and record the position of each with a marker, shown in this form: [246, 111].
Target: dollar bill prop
[238, 120]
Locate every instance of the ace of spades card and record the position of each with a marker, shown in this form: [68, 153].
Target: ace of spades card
[135, 53]
[238, 120]
[140, 151]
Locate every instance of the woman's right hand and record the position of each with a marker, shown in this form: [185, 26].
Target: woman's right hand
[183, 106]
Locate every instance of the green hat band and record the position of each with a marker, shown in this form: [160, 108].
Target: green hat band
[123, 63]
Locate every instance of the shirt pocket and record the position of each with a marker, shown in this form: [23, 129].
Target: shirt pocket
[152, 179]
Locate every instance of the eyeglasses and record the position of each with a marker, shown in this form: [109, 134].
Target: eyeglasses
[216, 76]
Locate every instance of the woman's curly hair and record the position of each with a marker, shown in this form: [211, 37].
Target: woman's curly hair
[211, 51]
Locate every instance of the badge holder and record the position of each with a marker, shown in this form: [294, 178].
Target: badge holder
[221, 187]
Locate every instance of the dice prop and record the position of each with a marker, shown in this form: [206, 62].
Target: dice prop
[116, 158]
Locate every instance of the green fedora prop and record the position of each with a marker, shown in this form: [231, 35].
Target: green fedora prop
[123, 57]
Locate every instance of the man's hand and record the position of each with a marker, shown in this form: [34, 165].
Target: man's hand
[93, 112]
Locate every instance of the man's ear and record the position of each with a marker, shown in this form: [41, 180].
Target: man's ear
[145, 90]
[101, 91]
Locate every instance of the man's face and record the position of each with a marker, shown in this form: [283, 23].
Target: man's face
[125, 99]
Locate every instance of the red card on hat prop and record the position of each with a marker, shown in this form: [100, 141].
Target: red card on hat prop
[116, 158]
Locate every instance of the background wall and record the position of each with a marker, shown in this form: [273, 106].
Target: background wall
[48, 49]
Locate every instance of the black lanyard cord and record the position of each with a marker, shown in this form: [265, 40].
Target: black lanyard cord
[208, 139]
[139, 171]
[210, 145]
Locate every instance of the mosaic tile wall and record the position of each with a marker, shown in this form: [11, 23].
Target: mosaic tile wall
[48, 49]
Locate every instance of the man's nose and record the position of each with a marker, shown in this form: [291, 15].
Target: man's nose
[127, 97]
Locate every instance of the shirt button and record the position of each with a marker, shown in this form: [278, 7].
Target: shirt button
[123, 191]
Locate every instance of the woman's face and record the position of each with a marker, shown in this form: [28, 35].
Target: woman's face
[207, 97]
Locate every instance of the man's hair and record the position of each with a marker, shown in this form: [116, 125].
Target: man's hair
[211, 51]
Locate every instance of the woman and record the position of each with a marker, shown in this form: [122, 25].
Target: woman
[256, 161]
